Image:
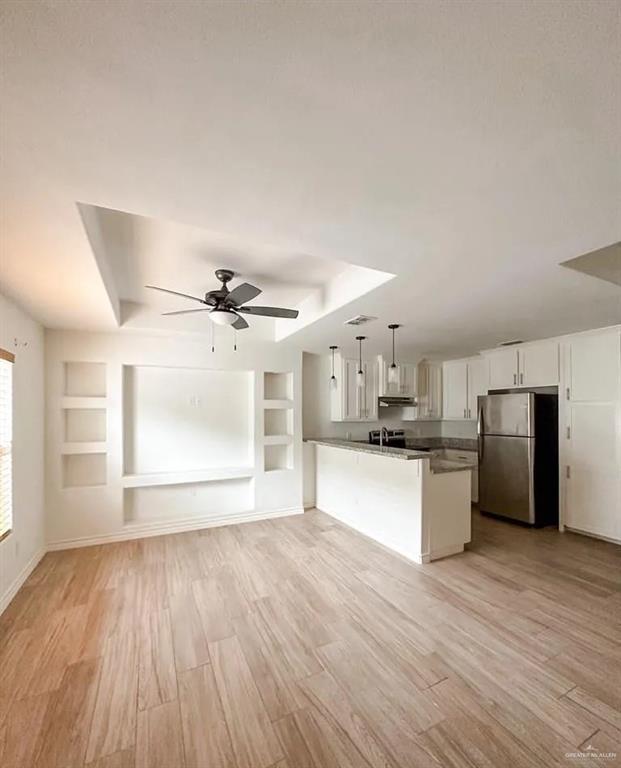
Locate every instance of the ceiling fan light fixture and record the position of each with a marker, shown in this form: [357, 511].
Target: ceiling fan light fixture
[223, 316]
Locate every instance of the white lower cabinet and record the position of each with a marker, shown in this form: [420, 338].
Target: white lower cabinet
[591, 436]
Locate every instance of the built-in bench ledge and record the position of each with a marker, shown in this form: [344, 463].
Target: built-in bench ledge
[191, 476]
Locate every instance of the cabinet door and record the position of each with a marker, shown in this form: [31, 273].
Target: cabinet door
[350, 391]
[369, 412]
[539, 365]
[594, 367]
[592, 474]
[503, 369]
[434, 410]
[477, 384]
[455, 389]
[407, 379]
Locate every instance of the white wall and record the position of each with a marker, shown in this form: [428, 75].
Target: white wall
[187, 419]
[20, 551]
[196, 381]
[459, 429]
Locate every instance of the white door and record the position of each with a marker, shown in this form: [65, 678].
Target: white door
[455, 389]
[503, 369]
[477, 384]
[539, 365]
[592, 481]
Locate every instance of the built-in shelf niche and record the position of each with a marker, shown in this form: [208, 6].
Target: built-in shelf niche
[277, 457]
[85, 425]
[82, 470]
[278, 386]
[278, 421]
[85, 379]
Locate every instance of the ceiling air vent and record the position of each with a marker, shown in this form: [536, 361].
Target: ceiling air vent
[360, 320]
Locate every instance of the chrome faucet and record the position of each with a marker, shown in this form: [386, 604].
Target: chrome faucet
[383, 435]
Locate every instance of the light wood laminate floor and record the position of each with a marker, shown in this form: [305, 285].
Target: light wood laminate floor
[297, 643]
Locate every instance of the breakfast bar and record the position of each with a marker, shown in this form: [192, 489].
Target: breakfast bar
[407, 500]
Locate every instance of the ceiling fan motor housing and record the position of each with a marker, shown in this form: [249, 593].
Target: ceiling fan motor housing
[225, 275]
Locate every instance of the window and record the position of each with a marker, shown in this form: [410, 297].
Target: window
[6, 442]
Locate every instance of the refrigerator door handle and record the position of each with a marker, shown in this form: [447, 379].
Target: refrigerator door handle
[480, 433]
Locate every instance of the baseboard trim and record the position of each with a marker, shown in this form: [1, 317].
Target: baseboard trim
[593, 535]
[21, 577]
[146, 530]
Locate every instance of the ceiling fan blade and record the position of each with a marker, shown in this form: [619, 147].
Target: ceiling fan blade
[242, 293]
[187, 311]
[175, 293]
[240, 324]
[270, 311]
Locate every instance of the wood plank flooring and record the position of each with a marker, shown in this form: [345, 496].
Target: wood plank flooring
[297, 643]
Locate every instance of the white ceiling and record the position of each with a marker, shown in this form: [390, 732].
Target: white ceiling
[467, 148]
[139, 251]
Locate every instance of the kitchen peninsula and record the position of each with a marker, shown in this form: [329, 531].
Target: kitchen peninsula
[407, 500]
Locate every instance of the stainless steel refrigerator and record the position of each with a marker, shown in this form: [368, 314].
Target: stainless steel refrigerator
[518, 456]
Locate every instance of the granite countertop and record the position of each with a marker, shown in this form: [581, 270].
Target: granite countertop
[361, 447]
[430, 443]
[437, 466]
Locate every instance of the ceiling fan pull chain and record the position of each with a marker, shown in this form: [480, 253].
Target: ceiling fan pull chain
[234, 340]
[213, 346]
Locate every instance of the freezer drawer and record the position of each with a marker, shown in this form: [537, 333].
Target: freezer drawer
[506, 477]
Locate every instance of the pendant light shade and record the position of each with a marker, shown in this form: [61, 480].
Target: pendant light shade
[333, 380]
[393, 369]
[360, 373]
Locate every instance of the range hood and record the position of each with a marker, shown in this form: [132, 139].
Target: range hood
[396, 400]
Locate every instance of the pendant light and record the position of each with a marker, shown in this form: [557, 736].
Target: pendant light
[393, 370]
[360, 374]
[333, 381]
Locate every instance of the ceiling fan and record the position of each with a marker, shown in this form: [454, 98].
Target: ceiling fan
[224, 306]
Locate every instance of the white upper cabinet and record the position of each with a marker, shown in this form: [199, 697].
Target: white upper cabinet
[405, 386]
[593, 368]
[348, 401]
[455, 389]
[503, 368]
[478, 375]
[463, 382]
[538, 364]
[407, 379]
[428, 393]
[528, 365]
